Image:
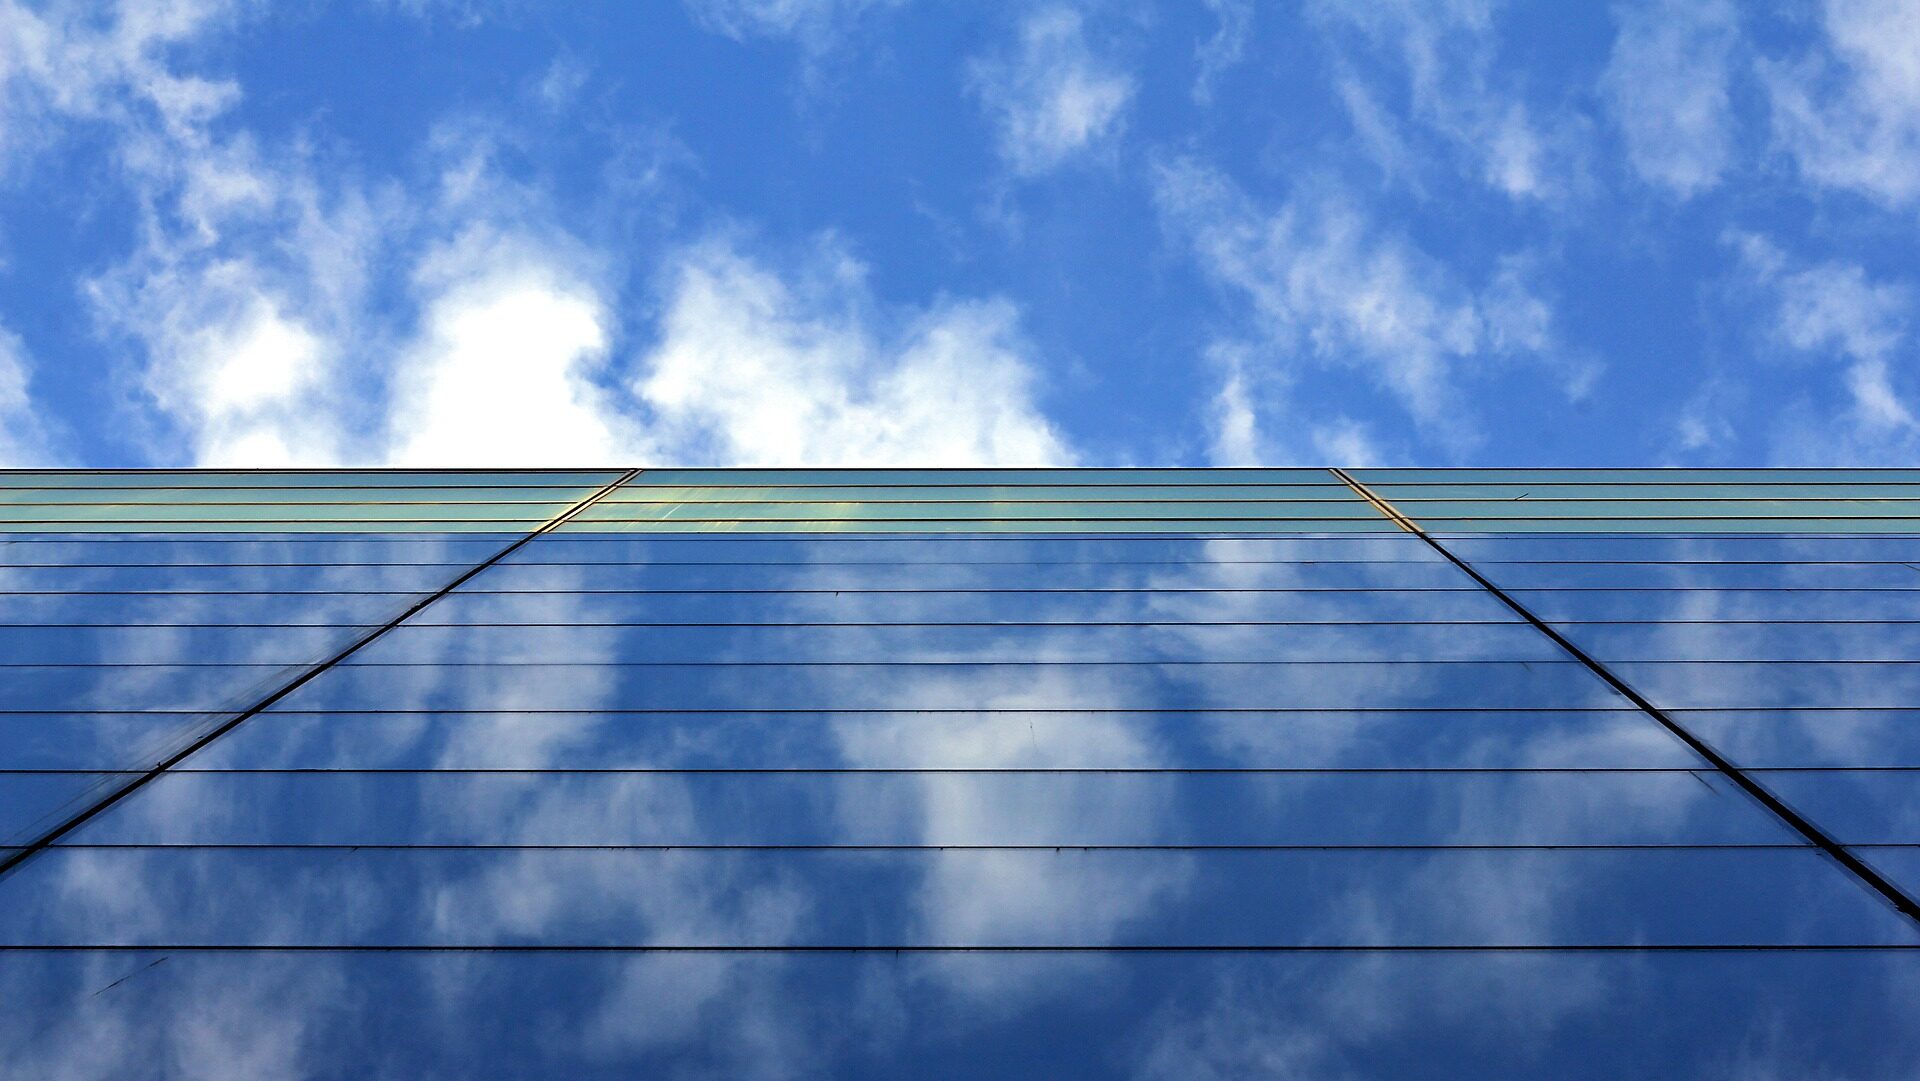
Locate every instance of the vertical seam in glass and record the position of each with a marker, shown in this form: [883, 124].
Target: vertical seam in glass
[79, 818]
[1799, 823]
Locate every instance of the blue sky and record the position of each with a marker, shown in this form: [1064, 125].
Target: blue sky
[906, 232]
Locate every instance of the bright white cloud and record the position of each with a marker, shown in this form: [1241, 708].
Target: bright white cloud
[503, 369]
[1051, 97]
[1667, 86]
[1329, 288]
[752, 369]
[1849, 115]
[1440, 58]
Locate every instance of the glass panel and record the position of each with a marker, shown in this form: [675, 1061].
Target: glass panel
[145, 550]
[1050, 731]
[1044, 809]
[1485, 550]
[1409, 496]
[923, 606]
[1825, 737]
[1443, 513]
[1067, 490]
[1311, 685]
[183, 479]
[316, 515]
[892, 477]
[399, 578]
[1375, 478]
[133, 499]
[572, 545]
[1728, 604]
[1855, 807]
[1014, 739]
[1694, 528]
[943, 643]
[922, 577]
[202, 610]
[1101, 898]
[1154, 1017]
[1699, 575]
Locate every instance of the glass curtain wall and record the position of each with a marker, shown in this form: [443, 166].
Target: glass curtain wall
[1155, 773]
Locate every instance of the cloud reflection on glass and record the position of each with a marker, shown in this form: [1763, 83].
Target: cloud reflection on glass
[689, 741]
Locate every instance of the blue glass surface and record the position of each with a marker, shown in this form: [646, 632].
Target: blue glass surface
[957, 806]
[1459, 1017]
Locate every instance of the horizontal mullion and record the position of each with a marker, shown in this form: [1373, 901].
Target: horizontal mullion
[1032, 563]
[1116, 492]
[1333, 495]
[343, 846]
[347, 498]
[1101, 662]
[724, 591]
[923, 948]
[969, 711]
[621, 771]
[833, 591]
[1013, 623]
[605, 513]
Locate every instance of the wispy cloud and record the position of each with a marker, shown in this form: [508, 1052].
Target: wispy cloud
[1667, 83]
[70, 62]
[1225, 48]
[816, 25]
[24, 440]
[1327, 287]
[1440, 60]
[1849, 113]
[1834, 311]
[1051, 97]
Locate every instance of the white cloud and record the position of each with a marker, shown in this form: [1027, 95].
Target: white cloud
[257, 299]
[245, 295]
[752, 369]
[1667, 86]
[1051, 97]
[1440, 57]
[1256, 422]
[1225, 48]
[1834, 311]
[1849, 115]
[1329, 288]
[64, 63]
[23, 438]
[503, 370]
[814, 24]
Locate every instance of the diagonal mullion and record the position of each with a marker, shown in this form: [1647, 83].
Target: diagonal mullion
[52, 835]
[1793, 819]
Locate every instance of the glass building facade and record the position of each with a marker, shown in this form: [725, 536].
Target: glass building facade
[1144, 773]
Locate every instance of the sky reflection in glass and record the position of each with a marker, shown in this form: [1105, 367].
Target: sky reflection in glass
[1067, 773]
